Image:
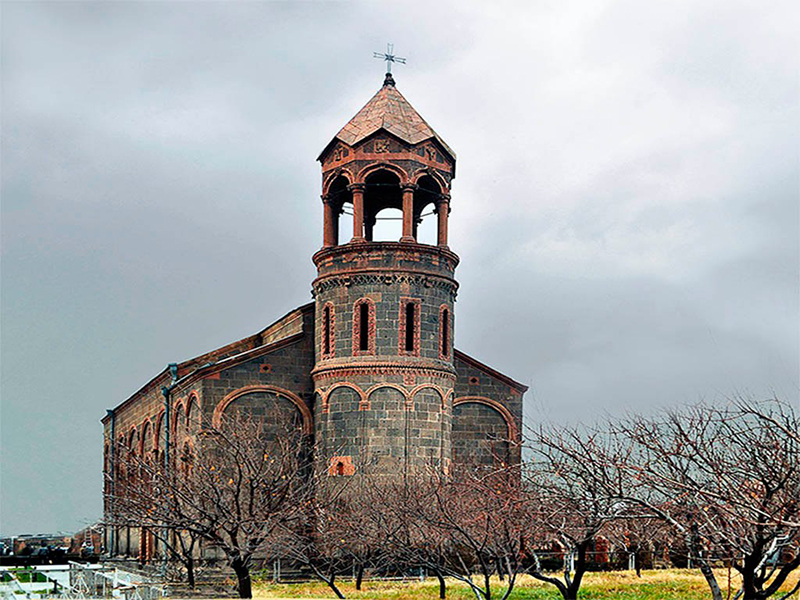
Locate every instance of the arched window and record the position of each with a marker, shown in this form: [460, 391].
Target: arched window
[328, 331]
[340, 468]
[409, 326]
[364, 327]
[444, 332]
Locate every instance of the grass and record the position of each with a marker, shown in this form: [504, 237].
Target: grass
[669, 584]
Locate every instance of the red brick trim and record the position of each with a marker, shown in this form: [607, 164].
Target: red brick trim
[401, 338]
[371, 327]
[513, 431]
[178, 408]
[331, 332]
[407, 400]
[423, 171]
[331, 177]
[305, 412]
[325, 394]
[145, 424]
[445, 345]
[443, 393]
[373, 369]
[361, 176]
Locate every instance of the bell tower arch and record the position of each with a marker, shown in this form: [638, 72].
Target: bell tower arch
[384, 371]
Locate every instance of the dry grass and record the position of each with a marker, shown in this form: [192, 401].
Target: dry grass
[671, 584]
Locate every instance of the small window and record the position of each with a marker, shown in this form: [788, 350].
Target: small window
[410, 320]
[444, 333]
[328, 331]
[409, 326]
[364, 327]
[340, 468]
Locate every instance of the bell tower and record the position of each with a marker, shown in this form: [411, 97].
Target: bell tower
[384, 371]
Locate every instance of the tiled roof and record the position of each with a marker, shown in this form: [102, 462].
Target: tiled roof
[388, 109]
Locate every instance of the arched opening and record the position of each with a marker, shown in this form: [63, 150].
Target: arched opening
[387, 226]
[382, 191]
[426, 199]
[340, 468]
[338, 218]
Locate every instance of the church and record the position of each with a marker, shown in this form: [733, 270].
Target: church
[368, 369]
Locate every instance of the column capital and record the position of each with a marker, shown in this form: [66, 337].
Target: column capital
[353, 187]
[409, 187]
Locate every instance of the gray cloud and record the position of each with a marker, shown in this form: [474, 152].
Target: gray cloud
[626, 206]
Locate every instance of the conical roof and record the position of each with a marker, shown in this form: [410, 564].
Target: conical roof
[389, 110]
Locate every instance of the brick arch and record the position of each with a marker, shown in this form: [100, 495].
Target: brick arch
[305, 413]
[147, 428]
[362, 397]
[132, 433]
[443, 394]
[407, 398]
[193, 410]
[513, 431]
[178, 408]
[361, 176]
[344, 172]
[420, 173]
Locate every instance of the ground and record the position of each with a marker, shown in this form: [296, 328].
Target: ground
[670, 584]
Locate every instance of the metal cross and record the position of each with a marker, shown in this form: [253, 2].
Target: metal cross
[389, 57]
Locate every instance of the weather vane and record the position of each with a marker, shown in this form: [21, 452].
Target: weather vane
[389, 57]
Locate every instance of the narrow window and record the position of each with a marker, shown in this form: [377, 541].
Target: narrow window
[445, 328]
[410, 326]
[409, 331]
[363, 327]
[340, 468]
[326, 331]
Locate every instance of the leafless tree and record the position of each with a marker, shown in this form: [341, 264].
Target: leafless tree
[727, 479]
[476, 516]
[236, 491]
[573, 494]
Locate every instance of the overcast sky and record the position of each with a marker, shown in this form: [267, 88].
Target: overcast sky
[625, 207]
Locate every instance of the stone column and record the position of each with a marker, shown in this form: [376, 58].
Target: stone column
[408, 213]
[443, 211]
[329, 232]
[358, 211]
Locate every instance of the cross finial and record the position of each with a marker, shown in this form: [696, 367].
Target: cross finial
[389, 57]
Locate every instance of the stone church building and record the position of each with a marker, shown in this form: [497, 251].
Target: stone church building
[368, 368]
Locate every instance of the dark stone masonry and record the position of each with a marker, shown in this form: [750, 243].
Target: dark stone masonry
[369, 368]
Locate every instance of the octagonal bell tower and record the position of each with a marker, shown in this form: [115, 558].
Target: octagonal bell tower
[384, 371]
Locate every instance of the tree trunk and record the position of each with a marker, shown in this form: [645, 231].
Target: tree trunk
[242, 570]
[716, 593]
[442, 584]
[331, 584]
[359, 576]
[190, 572]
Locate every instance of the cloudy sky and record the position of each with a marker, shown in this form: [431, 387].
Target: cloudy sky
[626, 206]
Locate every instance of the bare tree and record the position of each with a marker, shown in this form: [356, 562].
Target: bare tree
[477, 517]
[728, 479]
[573, 494]
[235, 492]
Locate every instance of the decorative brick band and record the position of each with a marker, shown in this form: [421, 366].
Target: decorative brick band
[347, 371]
[384, 277]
